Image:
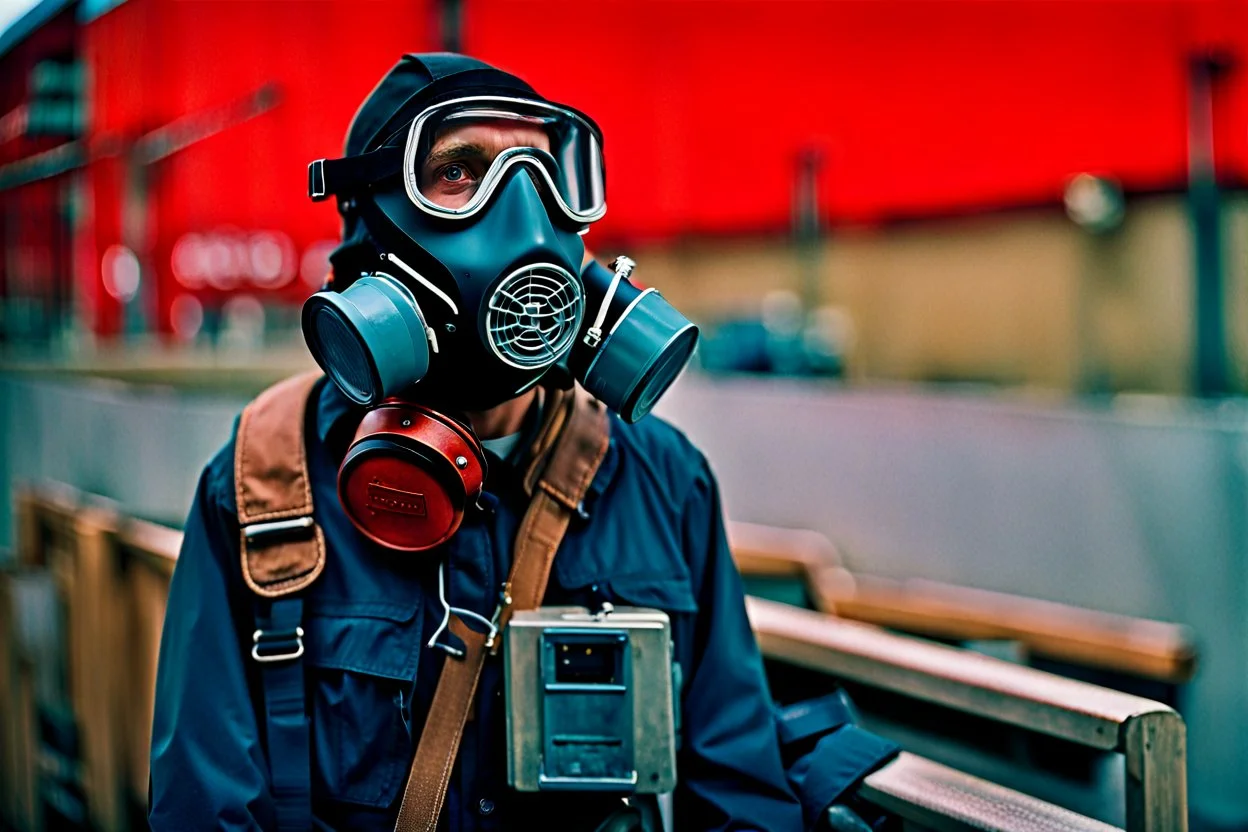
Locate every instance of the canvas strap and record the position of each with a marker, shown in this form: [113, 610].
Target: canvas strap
[283, 551]
[569, 449]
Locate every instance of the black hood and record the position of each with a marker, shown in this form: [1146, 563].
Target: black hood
[417, 81]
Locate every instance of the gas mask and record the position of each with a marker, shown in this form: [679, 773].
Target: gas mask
[464, 196]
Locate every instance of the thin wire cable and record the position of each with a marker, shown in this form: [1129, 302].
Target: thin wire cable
[447, 609]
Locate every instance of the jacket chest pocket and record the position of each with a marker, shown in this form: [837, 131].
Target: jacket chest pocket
[669, 590]
[362, 660]
[626, 563]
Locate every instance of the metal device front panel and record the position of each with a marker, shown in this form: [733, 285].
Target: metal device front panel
[534, 688]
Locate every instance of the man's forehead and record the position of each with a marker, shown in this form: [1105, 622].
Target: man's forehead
[493, 132]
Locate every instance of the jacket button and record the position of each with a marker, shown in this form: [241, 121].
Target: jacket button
[485, 806]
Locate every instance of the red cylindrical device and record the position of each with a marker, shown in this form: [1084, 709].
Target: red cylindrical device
[408, 476]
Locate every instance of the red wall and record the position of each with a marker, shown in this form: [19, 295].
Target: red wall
[34, 218]
[157, 60]
[918, 107]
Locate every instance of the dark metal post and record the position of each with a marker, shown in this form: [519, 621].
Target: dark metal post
[808, 225]
[451, 25]
[1211, 366]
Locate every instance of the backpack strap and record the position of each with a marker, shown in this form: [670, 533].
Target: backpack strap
[581, 426]
[283, 551]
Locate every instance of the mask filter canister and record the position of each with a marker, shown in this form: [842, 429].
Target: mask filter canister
[635, 347]
[370, 339]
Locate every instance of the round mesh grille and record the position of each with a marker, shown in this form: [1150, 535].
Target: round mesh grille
[534, 315]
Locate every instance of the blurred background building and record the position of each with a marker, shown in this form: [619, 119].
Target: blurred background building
[1035, 209]
[1021, 193]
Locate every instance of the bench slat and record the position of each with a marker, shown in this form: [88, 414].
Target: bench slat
[1152, 649]
[947, 800]
[959, 679]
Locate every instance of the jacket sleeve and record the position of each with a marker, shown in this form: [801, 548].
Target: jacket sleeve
[731, 774]
[208, 768]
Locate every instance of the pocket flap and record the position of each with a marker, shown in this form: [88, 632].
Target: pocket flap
[379, 639]
[670, 594]
[388, 610]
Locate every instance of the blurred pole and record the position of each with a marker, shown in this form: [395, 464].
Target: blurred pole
[808, 226]
[139, 310]
[1204, 201]
[1095, 204]
[451, 25]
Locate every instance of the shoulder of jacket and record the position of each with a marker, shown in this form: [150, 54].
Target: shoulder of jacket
[662, 449]
[655, 435]
[219, 474]
[217, 479]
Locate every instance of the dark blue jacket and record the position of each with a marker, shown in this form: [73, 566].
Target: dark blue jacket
[654, 538]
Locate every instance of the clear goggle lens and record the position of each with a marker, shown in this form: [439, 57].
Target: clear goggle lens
[457, 153]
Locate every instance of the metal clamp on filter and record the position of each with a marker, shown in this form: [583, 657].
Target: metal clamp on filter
[623, 269]
[590, 701]
[636, 345]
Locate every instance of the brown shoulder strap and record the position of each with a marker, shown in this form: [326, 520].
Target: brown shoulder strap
[283, 550]
[582, 427]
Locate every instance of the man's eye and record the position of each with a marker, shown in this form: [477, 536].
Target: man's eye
[454, 173]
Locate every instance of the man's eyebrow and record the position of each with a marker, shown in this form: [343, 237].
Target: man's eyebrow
[456, 150]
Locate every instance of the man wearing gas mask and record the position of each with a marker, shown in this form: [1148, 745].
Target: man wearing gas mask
[333, 654]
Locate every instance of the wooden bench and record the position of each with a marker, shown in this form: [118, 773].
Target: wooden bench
[94, 551]
[940, 798]
[1149, 649]
[1150, 736]
[112, 577]
[71, 536]
[149, 552]
[18, 734]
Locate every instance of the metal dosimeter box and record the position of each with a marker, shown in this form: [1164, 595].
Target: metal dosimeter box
[589, 700]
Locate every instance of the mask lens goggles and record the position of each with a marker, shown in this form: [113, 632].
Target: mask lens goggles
[457, 153]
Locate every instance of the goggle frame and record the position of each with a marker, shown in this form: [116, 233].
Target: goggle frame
[503, 162]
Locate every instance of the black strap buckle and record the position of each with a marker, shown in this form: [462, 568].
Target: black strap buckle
[316, 181]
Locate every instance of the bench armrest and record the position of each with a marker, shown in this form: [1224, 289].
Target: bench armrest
[1150, 735]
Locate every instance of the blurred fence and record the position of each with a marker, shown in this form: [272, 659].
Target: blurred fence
[76, 739]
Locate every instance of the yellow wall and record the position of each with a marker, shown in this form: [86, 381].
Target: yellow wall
[1021, 297]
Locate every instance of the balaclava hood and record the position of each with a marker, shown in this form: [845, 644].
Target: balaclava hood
[410, 86]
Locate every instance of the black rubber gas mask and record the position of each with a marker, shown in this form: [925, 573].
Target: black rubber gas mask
[460, 283]
[478, 246]
[479, 311]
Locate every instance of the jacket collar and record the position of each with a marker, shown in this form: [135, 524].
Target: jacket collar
[333, 409]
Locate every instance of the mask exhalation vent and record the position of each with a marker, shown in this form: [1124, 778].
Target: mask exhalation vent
[534, 315]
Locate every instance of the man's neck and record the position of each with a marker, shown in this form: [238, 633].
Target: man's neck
[504, 419]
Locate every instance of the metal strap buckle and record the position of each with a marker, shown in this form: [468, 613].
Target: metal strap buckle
[316, 180]
[261, 533]
[504, 601]
[276, 640]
